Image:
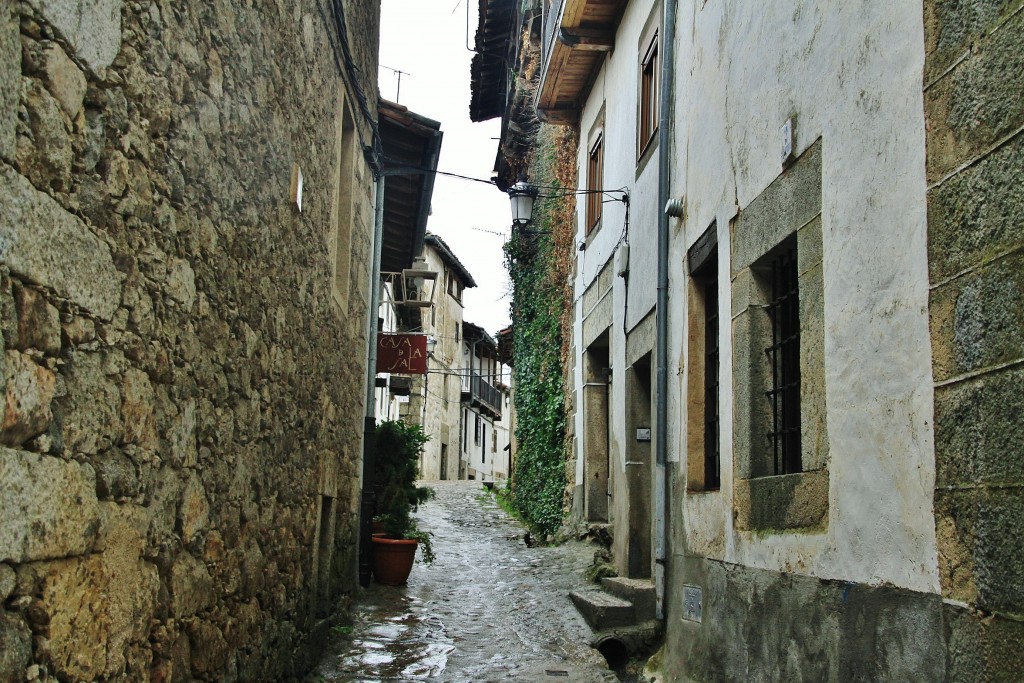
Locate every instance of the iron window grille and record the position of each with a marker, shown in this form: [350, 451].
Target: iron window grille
[784, 357]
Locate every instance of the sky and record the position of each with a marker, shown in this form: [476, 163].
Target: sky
[427, 40]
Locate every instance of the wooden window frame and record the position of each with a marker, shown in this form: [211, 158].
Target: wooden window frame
[595, 180]
[647, 122]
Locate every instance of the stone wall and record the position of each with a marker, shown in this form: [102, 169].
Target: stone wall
[182, 423]
[974, 76]
[765, 626]
[436, 401]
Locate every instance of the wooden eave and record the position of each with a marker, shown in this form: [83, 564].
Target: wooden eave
[496, 40]
[412, 144]
[576, 43]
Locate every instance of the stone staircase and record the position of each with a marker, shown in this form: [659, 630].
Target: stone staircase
[622, 609]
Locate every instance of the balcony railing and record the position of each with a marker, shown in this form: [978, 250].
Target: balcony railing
[552, 20]
[485, 393]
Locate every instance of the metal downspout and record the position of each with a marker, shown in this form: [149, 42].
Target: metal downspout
[370, 420]
[661, 350]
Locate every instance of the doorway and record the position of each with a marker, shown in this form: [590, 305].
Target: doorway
[639, 472]
[596, 438]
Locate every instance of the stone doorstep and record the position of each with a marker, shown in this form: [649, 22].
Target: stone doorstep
[601, 610]
[640, 592]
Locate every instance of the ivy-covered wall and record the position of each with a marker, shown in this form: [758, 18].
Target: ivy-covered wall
[539, 264]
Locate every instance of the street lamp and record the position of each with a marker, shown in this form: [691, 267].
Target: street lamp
[522, 196]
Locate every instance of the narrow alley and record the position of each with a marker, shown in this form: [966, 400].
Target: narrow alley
[735, 289]
[490, 608]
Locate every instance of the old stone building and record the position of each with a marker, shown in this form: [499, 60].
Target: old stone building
[434, 400]
[185, 251]
[797, 345]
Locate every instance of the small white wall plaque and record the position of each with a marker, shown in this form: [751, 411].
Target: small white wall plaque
[693, 603]
[296, 189]
[788, 142]
[643, 434]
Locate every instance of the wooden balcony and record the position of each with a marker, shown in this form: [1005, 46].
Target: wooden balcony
[577, 34]
[484, 395]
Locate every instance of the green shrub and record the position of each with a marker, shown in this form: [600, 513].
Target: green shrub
[396, 454]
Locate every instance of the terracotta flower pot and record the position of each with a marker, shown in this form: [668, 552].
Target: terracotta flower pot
[392, 560]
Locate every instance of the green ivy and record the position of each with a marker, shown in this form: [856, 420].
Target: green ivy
[538, 480]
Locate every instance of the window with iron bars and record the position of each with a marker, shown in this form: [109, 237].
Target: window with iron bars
[784, 358]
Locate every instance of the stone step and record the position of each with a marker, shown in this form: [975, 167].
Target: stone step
[602, 610]
[640, 592]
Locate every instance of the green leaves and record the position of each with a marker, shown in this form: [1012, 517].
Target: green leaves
[396, 453]
[538, 478]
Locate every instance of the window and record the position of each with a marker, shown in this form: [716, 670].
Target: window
[780, 439]
[341, 242]
[649, 106]
[784, 355]
[595, 180]
[712, 453]
[454, 287]
[703, 429]
[476, 431]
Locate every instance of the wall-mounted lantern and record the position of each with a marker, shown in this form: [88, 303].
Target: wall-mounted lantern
[418, 284]
[522, 196]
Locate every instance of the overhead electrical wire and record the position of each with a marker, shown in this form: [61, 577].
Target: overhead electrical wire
[374, 152]
[555, 191]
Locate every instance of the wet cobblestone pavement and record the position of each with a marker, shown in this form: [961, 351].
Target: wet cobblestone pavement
[489, 608]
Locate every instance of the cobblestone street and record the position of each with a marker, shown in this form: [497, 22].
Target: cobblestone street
[489, 608]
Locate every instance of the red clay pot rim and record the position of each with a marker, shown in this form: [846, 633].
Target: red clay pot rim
[393, 541]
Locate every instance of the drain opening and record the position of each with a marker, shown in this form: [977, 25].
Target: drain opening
[614, 652]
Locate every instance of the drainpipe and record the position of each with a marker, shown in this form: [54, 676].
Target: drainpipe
[661, 482]
[370, 420]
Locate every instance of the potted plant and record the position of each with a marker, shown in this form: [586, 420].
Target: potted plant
[396, 454]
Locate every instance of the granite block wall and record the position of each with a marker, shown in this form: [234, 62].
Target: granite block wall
[974, 74]
[182, 411]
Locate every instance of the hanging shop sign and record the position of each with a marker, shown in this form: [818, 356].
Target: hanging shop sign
[402, 353]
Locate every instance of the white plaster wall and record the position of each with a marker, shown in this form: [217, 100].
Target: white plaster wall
[851, 71]
[614, 97]
[500, 463]
[447, 358]
[386, 405]
[473, 452]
